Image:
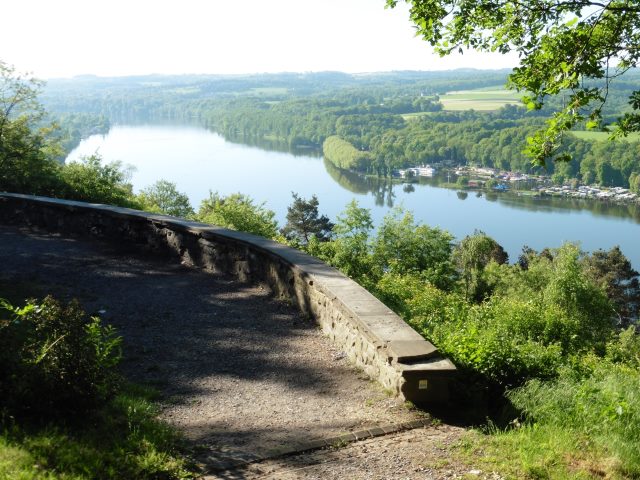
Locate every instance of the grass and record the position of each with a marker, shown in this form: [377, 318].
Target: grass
[123, 440]
[602, 136]
[537, 452]
[577, 428]
[482, 99]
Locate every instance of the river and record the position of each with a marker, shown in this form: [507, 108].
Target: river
[198, 161]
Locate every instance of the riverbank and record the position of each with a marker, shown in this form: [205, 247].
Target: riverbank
[488, 179]
[615, 194]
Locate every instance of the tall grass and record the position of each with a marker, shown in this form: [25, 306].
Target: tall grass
[604, 407]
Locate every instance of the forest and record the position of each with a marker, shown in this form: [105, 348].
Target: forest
[396, 120]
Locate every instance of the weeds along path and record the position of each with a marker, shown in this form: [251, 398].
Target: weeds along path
[241, 375]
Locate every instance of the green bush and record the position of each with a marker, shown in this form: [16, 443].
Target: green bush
[349, 250]
[121, 440]
[531, 326]
[164, 197]
[91, 181]
[54, 359]
[238, 212]
[403, 246]
[625, 348]
[502, 340]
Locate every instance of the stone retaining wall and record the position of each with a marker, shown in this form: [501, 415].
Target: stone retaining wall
[373, 337]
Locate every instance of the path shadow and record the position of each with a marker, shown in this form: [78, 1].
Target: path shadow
[234, 367]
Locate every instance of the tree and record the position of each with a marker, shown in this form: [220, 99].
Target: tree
[570, 47]
[163, 197]
[238, 212]
[613, 272]
[606, 174]
[304, 221]
[91, 181]
[634, 182]
[472, 255]
[351, 245]
[26, 148]
[403, 247]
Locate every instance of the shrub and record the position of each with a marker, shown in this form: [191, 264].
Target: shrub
[502, 340]
[350, 249]
[164, 197]
[238, 212]
[403, 246]
[625, 348]
[53, 359]
[91, 181]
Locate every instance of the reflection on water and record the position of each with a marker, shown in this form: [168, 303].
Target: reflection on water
[381, 188]
[491, 196]
[198, 160]
[555, 204]
[272, 145]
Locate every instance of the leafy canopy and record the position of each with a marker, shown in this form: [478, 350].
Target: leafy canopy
[238, 212]
[164, 197]
[25, 141]
[574, 47]
[89, 180]
[403, 246]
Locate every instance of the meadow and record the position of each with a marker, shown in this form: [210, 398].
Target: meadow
[480, 99]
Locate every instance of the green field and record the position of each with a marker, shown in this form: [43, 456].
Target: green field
[186, 90]
[268, 91]
[602, 136]
[483, 99]
[414, 115]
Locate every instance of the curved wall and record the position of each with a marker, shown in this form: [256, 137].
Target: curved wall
[373, 337]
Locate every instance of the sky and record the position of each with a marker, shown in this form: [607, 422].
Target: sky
[63, 38]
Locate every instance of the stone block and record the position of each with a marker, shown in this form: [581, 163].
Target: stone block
[409, 351]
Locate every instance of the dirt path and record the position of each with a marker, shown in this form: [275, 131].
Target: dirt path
[424, 453]
[240, 374]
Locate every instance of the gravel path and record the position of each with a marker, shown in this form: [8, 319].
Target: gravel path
[237, 370]
[417, 454]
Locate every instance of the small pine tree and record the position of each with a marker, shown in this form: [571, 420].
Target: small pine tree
[304, 221]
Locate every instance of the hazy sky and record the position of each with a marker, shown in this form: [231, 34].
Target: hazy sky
[121, 37]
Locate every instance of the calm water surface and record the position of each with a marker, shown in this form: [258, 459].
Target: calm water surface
[198, 161]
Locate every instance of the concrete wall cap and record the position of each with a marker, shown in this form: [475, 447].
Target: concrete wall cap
[438, 364]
